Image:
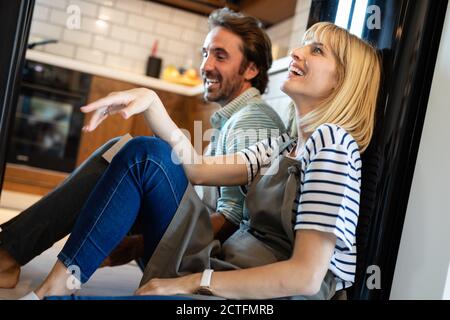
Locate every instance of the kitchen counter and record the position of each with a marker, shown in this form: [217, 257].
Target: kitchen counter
[106, 72]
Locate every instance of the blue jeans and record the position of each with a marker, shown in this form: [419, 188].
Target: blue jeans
[141, 180]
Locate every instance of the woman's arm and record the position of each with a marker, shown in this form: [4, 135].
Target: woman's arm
[302, 274]
[218, 170]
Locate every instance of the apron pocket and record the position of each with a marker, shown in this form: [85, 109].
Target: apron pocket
[245, 251]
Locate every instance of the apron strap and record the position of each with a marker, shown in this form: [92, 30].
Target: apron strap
[285, 145]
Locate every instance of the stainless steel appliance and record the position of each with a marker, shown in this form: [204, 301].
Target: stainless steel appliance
[48, 121]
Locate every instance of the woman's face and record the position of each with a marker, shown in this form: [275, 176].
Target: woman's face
[312, 75]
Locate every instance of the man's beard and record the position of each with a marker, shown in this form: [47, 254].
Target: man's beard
[226, 91]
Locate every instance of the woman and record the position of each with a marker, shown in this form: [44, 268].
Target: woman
[302, 198]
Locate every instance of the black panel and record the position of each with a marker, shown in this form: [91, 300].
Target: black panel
[408, 42]
[15, 22]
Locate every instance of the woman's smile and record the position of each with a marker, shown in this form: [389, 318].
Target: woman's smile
[296, 70]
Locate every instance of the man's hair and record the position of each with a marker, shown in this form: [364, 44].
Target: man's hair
[257, 47]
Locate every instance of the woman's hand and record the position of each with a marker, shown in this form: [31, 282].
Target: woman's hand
[126, 103]
[183, 285]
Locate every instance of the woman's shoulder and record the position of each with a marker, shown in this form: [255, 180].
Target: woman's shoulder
[329, 136]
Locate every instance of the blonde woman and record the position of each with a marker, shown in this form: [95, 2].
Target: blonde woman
[302, 193]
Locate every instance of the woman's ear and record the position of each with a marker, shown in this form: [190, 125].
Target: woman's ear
[251, 72]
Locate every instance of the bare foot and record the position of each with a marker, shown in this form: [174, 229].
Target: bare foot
[9, 270]
[58, 282]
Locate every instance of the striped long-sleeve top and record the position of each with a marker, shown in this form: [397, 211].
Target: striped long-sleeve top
[328, 196]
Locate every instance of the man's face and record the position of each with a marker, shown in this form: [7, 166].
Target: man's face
[220, 69]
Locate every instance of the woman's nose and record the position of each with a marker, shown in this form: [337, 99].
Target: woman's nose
[297, 54]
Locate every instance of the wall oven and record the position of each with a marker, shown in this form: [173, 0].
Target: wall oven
[48, 120]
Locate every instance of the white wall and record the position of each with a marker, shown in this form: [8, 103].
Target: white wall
[422, 269]
[125, 37]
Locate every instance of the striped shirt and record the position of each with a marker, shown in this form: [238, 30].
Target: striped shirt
[329, 190]
[241, 123]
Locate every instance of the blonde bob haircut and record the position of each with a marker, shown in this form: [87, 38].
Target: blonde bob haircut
[352, 104]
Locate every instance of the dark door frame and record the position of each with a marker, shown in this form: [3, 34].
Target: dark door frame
[15, 22]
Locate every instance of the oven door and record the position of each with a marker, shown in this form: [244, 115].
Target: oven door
[47, 128]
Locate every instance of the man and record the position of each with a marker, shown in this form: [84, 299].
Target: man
[236, 58]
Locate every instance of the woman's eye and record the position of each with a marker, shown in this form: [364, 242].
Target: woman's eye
[317, 50]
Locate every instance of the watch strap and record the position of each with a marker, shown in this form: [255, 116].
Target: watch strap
[206, 278]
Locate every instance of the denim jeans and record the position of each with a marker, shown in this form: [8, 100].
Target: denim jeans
[142, 180]
[52, 218]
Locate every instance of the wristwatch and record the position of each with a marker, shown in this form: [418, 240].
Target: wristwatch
[205, 283]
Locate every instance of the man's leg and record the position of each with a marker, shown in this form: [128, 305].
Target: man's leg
[50, 219]
[141, 180]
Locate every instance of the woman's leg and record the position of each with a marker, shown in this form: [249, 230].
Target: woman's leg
[141, 179]
[37, 228]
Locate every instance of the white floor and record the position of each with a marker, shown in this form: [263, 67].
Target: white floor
[117, 281]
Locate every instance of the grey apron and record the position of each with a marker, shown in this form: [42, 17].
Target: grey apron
[188, 245]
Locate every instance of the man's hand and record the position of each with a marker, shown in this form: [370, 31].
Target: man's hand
[131, 248]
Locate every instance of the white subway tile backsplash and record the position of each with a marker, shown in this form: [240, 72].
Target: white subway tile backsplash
[185, 19]
[106, 44]
[112, 15]
[171, 59]
[96, 26]
[124, 34]
[157, 11]
[178, 48]
[77, 37]
[169, 30]
[89, 55]
[202, 24]
[87, 9]
[58, 17]
[106, 3]
[61, 4]
[135, 6]
[135, 52]
[40, 12]
[193, 37]
[46, 29]
[148, 39]
[141, 23]
[139, 66]
[60, 49]
[120, 33]
[119, 62]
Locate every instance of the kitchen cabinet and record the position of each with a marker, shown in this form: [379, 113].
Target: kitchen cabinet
[184, 110]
